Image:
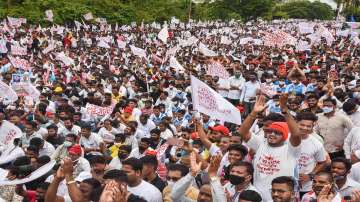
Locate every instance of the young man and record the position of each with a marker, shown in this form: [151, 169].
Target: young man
[275, 156]
[283, 189]
[136, 185]
[240, 178]
[150, 165]
[340, 168]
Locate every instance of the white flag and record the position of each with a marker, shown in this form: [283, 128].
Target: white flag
[121, 44]
[8, 132]
[138, 51]
[50, 48]
[209, 102]
[18, 50]
[88, 16]
[207, 52]
[163, 34]
[103, 44]
[78, 25]
[49, 15]
[225, 40]
[217, 69]
[7, 93]
[65, 59]
[16, 22]
[3, 48]
[175, 64]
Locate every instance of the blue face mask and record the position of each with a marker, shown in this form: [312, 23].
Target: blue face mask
[327, 110]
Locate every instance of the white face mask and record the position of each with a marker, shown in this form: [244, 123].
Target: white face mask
[327, 110]
[67, 144]
[170, 183]
[268, 80]
[281, 82]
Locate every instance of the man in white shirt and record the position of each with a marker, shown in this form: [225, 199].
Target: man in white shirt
[69, 127]
[352, 142]
[276, 156]
[45, 148]
[30, 133]
[353, 111]
[133, 167]
[236, 86]
[340, 168]
[92, 143]
[313, 155]
[248, 93]
[145, 125]
[223, 86]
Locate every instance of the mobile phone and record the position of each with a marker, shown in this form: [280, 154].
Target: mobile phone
[347, 198]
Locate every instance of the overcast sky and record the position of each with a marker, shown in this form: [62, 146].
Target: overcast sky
[330, 2]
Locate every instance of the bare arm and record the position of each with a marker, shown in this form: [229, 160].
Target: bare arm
[295, 138]
[74, 191]
[248, 122]
[204, 139]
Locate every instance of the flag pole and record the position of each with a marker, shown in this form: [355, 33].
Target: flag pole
[190, 10]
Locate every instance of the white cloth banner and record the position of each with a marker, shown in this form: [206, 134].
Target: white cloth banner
[20, 63]
[324, 32]
[16, 22]
[65, 59]
[209, 102]
[78, 25]
[205, 51]
[163, 34]
[88, 16]
[98, 111]
[8, 132]
[101, 20]
[175, 64]
[138, 51]
[49, 15]
[18, 50]
[302, 46]
[48, 49]
[306, 28]
[103, 44]
[7, 93]
[33, 176]
[3, 48]
[225, 40]
[121, 44]
[26, 89]
[217, 69]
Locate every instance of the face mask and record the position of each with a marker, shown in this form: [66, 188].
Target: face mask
[327, 109]
[122, 156]
[67, 144]
[268, 80]
[236, 180]
[281, 82]
[170, 183]
[339, 177]
[237, 75]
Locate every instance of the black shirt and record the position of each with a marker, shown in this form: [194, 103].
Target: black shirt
[158, 183]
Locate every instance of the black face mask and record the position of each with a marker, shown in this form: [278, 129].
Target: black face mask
[236, 180]
[122, 156]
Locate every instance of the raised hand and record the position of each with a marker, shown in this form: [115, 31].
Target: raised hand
[260, 104]
[194, 166]
[68, 166]
[326, 195]
[214, 165]
[282, 101]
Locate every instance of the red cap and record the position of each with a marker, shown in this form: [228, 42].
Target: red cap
[281, 127]
[195, 136]
[75, 150]
[220, 128]
[151, 152]
[128, 110]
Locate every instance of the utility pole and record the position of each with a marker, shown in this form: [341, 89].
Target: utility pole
[190, 4]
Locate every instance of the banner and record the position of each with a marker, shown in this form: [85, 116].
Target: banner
[103, 44]
[121, 44]
[26, 89]
[306, 28]
[278, 38]
[95, 110]
[205, 51]
[49, 15]
[65, 59]
[217, 69]
[18, 50]
[7, 93]
[88, 16]
[48, 49]
[208, 101]
[3, 48]
[138, 51]
[33, 176]
[163, 34]
[175, 64]
[16, 22]
[8, 132]
[20, 63]
[225, 40]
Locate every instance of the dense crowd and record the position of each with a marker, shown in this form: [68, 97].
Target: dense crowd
[100, 112]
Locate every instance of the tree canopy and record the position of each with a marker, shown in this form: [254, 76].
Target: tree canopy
[127, 11]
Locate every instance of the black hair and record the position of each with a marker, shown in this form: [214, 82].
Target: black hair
[126, 148]
[86, 126]
[156, 131]
[274, 117]
[308, 116]
[97, 159]
[250, 195]
[72, 136]
[333, 101]
[343, 160]
[249, 166]
[150, 159]
[327, 174]
[33, 124]
[135, 163]
[285, 180]
[146, 140]
[52, 126]
[33, 148]
[349, 106]
[42, 160]
[239, 147]
[36, 141]
[178, 167]
[115, 174]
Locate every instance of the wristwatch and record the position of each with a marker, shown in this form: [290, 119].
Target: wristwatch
[70, 182]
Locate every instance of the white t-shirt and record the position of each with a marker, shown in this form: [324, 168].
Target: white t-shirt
[147, 191]
[271, 162]
[312, 151]
[93, 141]
[355, 172]
[108, 136]
[115, 163]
